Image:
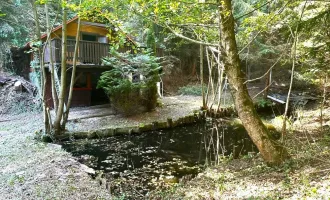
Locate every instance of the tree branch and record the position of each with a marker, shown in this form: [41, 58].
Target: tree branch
[263, 90]
[189, 39]
[250, 42]
[257, 8]
[248, 81]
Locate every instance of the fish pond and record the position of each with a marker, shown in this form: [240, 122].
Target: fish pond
[138, 163]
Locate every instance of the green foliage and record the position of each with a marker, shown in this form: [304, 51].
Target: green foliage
[125, 65]
[195, 90]
[262, 103]
[131, 83]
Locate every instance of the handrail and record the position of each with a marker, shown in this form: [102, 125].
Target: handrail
[89, 52]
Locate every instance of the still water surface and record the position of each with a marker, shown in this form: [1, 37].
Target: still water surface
[135, 164]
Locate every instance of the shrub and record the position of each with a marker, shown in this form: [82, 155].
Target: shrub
[131, 84]
[195, 90]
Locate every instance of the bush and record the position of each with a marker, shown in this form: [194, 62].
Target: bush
[131, 84]
[195, 90]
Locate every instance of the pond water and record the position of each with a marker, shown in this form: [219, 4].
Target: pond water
[136, 164]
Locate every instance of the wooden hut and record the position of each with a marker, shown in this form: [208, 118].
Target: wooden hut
[94, 44]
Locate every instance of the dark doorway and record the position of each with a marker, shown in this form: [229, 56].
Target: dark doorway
[98, 95]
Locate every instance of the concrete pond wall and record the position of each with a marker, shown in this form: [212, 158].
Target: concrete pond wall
[196, 116]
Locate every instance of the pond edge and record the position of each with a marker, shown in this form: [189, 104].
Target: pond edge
[196, 116]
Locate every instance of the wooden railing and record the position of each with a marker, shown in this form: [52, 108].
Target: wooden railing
[89, 52]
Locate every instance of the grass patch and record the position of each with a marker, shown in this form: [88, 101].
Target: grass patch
[195, 90]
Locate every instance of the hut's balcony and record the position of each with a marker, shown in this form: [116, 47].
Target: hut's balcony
[89, 53]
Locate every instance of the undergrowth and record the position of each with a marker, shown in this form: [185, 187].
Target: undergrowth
[195, 90]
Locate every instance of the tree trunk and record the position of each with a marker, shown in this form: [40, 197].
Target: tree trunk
[61, 98]
[73, 77]
[272, 152]
[201, 68]
[52, 71]
[43, 81]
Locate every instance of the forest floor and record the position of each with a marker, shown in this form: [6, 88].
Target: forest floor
[30, 169]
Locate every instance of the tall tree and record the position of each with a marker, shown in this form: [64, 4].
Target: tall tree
[73, 76]
[272, 152]
[61, 110]
[40, 55]
[61, 97]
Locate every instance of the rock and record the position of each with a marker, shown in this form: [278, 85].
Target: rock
[18, 86]
[145, 127]
[81, 135]
[86, 169]
[170, 179]
[102, 133]
[135, 130]
[162, 125]
[54, 146]
[169, 122]
[20, 173]
[155, 125]
[3, 80]
[123, 130]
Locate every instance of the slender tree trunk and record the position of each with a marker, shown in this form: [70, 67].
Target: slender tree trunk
[323, 100]
[61, 98]
[52, 71]
[220, 67]
[294, 52]
[210, 83]
[73, 77]
[272, 152]
[43, 81]
[201, 63]
[267, 82]
[221, 72]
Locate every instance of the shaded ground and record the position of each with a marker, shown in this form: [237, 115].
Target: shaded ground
[34, 170]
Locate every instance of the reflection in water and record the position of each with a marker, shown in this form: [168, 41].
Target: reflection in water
[135, 164]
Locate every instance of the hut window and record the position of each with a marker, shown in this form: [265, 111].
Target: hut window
[103, 40]
[87, 37]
